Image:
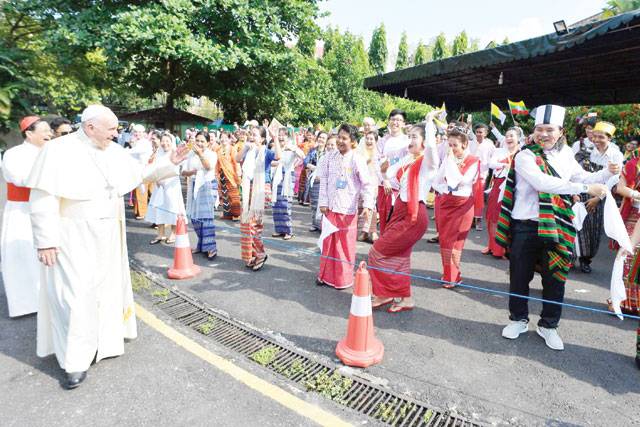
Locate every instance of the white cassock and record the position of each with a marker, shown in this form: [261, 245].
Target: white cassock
[86, 300]
[20, 267]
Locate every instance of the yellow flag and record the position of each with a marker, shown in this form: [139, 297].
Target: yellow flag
[495, 112]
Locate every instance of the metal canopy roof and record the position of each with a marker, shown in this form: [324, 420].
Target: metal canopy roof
[594, 64]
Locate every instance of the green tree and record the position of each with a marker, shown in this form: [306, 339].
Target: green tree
[506, 41]
[492, 44]
[232, 51]
[378, 50]
[421, 55]
[402, 60]
[440, 48]
[460, 44]
[474, 46]
[616, 7]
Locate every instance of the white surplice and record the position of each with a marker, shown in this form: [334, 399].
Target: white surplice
[20, 267]
[86, 300]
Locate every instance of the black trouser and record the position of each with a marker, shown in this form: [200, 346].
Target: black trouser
[527, 250]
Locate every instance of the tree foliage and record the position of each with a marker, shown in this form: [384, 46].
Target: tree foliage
[460, 44]
[616, 7]
[378, 50]
[402, 60]
[440, 48]
[422, 54]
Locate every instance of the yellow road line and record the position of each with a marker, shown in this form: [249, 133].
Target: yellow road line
[314, 413]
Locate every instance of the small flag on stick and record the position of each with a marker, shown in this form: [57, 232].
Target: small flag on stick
[495, 112]
[518, 107]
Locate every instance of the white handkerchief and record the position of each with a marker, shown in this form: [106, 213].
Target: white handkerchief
[613, 181]
[579, 214]
[613, 224]
[618, 293]
[327, 229]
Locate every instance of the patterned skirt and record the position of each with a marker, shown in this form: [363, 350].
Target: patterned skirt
[230, 198]
[391, 254]
[282, 213]
[589, 237]
[314, 195]
[632, 271]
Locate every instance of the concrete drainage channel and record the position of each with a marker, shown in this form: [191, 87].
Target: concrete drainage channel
[323, 377]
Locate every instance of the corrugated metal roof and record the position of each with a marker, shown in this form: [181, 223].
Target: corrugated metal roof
[595, 41]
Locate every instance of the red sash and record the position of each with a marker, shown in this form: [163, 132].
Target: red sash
[17, 194]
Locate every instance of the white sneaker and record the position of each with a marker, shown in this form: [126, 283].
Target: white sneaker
[514, 329]
[551, 338]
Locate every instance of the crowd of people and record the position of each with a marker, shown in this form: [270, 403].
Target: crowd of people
[359, 184]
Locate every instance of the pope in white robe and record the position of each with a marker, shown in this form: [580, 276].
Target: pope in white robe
[20, 268]
[77, 211]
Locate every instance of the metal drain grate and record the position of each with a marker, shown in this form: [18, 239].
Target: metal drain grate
[354, 392]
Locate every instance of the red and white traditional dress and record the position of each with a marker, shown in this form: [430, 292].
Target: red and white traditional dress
[391, 148]
[455, 210]
[630, 212]
[391, 254]
[20, 267]
[484, 151]
[343, 179]
[500, 163]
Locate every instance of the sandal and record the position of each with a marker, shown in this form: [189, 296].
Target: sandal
[434, 239]
[486, 251]
[373, 237]
[157, 240]
[395, 308]
[287, 237]
[170, 241]
[211, 255]
[259, 264]
[277, 235]
[381, 304]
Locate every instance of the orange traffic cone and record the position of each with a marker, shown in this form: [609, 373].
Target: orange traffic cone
[183, 266]
[360, 347]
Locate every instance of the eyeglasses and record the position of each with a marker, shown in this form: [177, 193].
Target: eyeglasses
[65, 133]
[396, 120]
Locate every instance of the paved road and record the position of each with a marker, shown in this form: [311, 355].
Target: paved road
[448, 351]
[156, 383]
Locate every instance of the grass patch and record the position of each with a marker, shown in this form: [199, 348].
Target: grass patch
[265, 355]
[294, 369]
[208, 326]
[384, 412]
[427, 416]
[139, 282]
[161, 293]
[332, 387]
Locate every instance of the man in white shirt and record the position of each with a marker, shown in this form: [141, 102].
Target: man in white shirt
[545, 173]
[391, 147]
[86, 307]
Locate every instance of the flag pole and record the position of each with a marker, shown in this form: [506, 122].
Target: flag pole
[511, 112]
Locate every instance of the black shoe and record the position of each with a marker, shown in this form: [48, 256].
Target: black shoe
[320, 282]
[585, 268]
[74, 379]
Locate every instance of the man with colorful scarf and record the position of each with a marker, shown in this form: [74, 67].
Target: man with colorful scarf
[535, 223]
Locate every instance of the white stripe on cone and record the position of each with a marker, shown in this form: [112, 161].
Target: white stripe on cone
[361, 306]
[182, 241]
